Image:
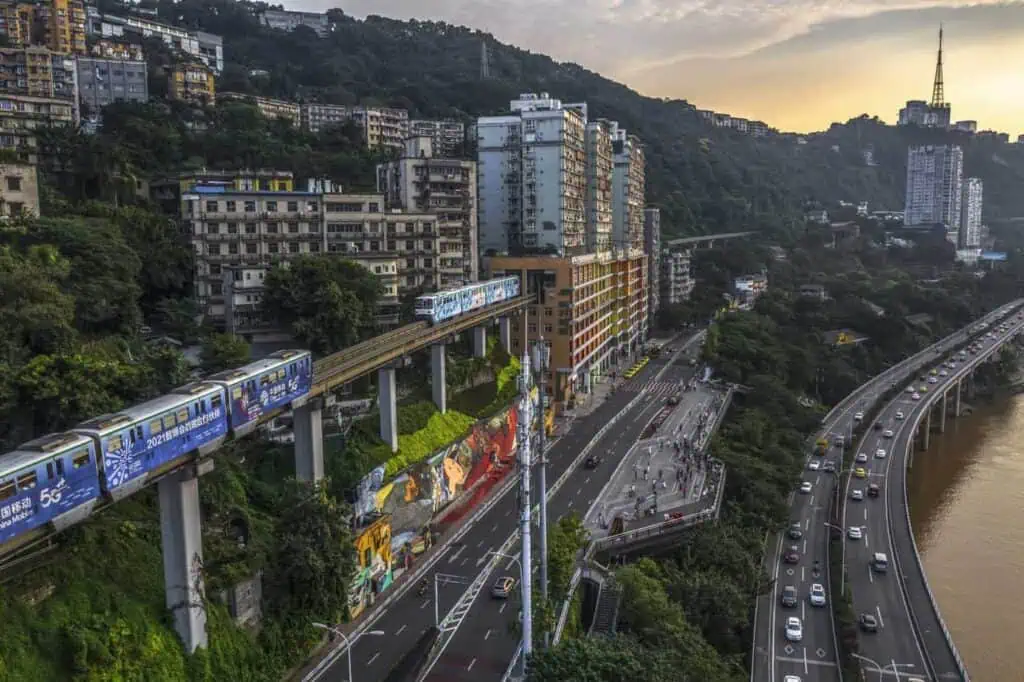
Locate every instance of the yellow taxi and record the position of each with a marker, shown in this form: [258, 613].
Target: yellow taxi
[860, 472]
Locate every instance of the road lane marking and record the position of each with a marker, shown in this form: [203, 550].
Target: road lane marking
[373, 658]
[865, 514]
[871, 577]
[424, 604]
[471, 664]
[485, 555]
[865, 540]
[400, 630]
[463, 562]
[479, 544]
[502, 607]
[806, 669]
[787, 659]
[878, 610]
[487, 634]
[494, 528]
[455, 555]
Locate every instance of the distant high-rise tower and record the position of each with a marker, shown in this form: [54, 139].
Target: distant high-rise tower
[970, 214]
[485, 67]
[934, 182]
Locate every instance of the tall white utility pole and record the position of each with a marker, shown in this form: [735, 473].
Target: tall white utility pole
[525, 455]
[540, 366]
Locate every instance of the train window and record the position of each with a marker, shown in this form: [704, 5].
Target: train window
[280, 374]
[49, 470]
[236, 393]
[6, 490]
[215, 402]
[27, 481]
[155, 427]
[266, 379]
[80, 459]
[183, 415]
[169, 421]
[114, 443]
[60, 467]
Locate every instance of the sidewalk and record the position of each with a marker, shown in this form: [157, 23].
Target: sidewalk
[665, 472]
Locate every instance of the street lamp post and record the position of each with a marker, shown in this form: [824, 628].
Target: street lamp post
[540, 365]
[349, 643]
[881, 669]
[444, 579]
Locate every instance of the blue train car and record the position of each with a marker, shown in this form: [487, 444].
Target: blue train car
[263, 386]
[52, 479]
[142, 441]
[447, 305]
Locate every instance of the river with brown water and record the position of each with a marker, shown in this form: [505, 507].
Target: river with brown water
[966, 497]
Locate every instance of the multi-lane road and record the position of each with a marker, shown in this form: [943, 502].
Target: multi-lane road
[909, 639]
[484, 634]
[814, 657]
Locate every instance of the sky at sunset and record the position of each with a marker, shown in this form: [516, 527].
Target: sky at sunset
[796, 64]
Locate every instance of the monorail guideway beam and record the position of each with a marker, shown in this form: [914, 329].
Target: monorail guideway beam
[182, 547]
[309, 441]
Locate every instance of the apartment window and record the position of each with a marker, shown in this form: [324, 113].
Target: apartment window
[250, 207]
[392, 245]
[17, 207]
[293, 247]
[293, 206]
[217, 288]
[426, 244]
[250, 228]
[410, 281]
[231, 207]
[233, 248]
[314, 247]
[214, 249]
[273, 247]
[212, 228]
[271, 207]
[232, 228]
[428, 262]
[533, 328]
[211, 206]
[374, 207]
[313, 206]
[215, 268]
[410, 245]
[250, 248]
[410, 263]
[271, 228]
[293, 228]
[548, 328]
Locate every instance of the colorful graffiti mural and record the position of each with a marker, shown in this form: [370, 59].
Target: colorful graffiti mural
[373, 554]
[414, 497]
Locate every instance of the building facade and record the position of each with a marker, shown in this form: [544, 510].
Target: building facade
[242, 222]
[420, 182]
[934, 181]
[268, 107]
[58, 25]
[205, 47]
[20, 115]
[38, 72]
[652, 247]
[599, 186]
[920, 113]
[193, 82]
[531, 168]
[288, 21]
[676, 280]
[628, 182]
[448, 137]
[970, 214]
[102, 81]
[19, 190]
[748, 288]
[383, 128]
[591, 312]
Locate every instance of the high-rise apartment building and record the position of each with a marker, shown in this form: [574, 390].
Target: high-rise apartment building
[420, 182]
[652, 247]
[104, 81]
[591, 311]
[383, 128]
[193, 82]
[628, 179]
[241, 221]
[38, 72]
[268, 107]
[599, 186]
[284, 20]
[676, 279]
[206, 47]
[58, 25]
[970, 214]
[531, 169]
[448, 137]
[934, 181]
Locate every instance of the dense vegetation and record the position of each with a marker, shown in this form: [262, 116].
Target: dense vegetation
[690, 610]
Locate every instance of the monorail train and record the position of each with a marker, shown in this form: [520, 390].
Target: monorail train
[59, 478]
[446, 305]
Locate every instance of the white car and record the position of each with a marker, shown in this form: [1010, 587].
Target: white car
[862, 457]
[791, 678]
[887, 433]
[806, 487]
[910, 389]
[900, 415]
[859, 417]
[943, 373]
[915, 396]
[814, 465]
[854, 533]
[857, 495]
[794, 630]
[933, 380]
[817, 595]
[880, 453]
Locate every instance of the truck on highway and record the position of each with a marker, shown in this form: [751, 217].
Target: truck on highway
[821, 446]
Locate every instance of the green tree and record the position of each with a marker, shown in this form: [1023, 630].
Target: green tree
[223, 351]
[328, 302]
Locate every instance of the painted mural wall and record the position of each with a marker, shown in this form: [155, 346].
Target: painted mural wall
[373, 556]
[415, 496]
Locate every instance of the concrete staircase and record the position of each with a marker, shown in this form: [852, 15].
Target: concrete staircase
[606, 613]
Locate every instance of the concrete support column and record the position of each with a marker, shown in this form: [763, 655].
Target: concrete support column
[926, 440]
[182, 546]
[505, 334]
[386, 395]
[959, 385]
[438, 376]
[309, 442]
[942, 415]
[480, 342]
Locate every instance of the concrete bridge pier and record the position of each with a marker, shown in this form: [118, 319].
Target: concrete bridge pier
[942, 414]
[438, 377]
[479, 341]
[956, 408]
[309, 441]
[386, 401]
[926, 430]
[182, 546]
[505, 334]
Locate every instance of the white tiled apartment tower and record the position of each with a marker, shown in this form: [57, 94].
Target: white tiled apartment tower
[934, 182]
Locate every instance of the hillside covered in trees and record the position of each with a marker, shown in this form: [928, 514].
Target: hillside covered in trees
[704, 179]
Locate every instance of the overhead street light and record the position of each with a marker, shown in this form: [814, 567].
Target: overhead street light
[348, 643]
[881, 669]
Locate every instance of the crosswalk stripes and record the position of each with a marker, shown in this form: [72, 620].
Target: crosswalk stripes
[656, 387]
